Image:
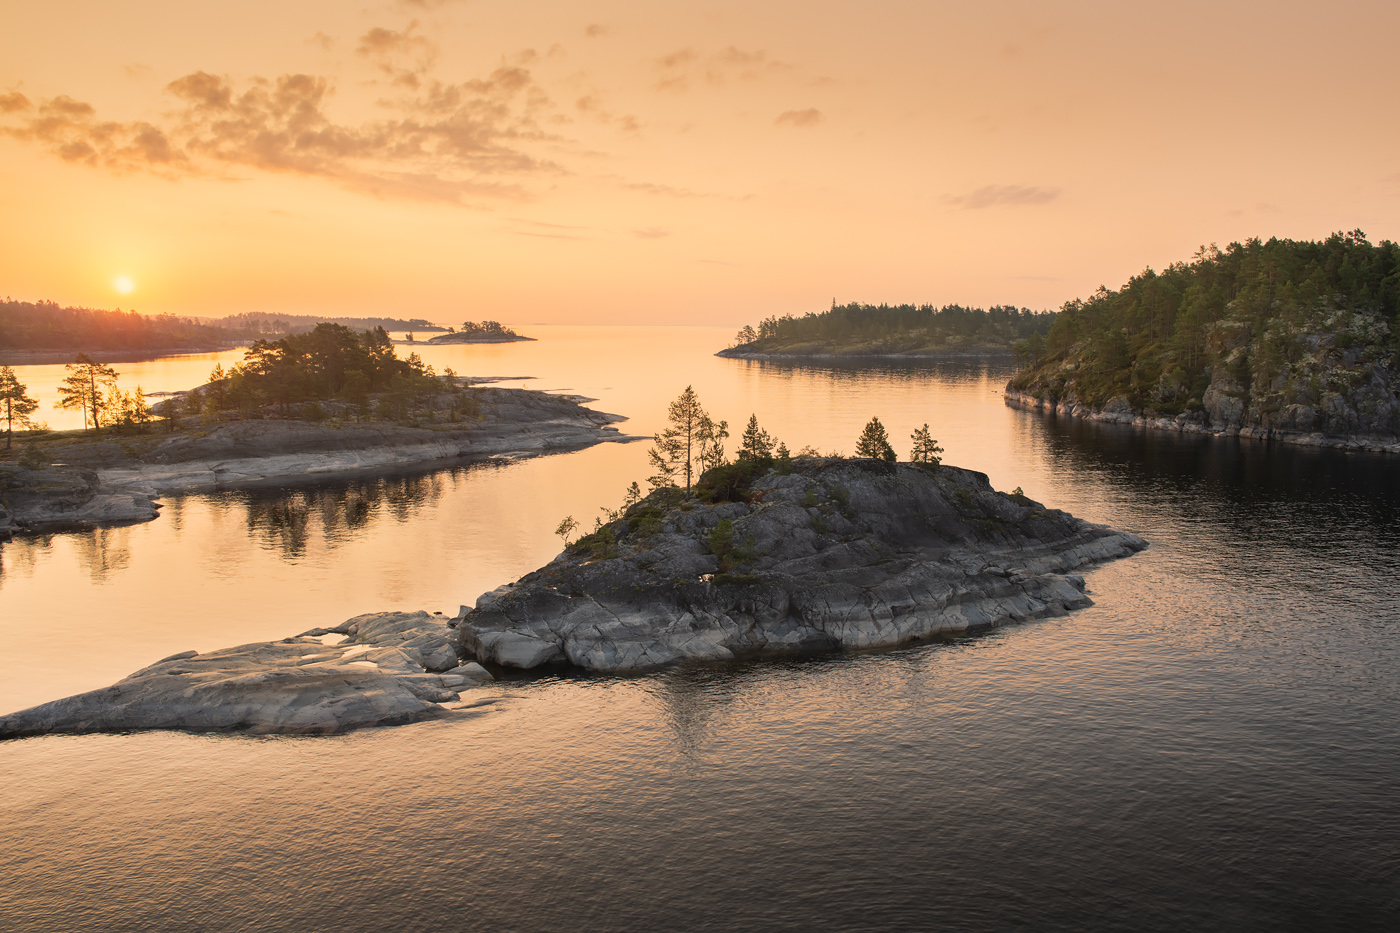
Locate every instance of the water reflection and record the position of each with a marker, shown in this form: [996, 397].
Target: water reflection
[17, 562]
[287, 519]
[105, 551]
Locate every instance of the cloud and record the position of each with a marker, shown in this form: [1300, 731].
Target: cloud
[646, 187]
[325, 42]
[677, 58]
[136, 70]
[596, 30]
[717, 69]
[70, 130]
[593, 107]
[449, 142]
[1002, 196]
[651, 233]
[404, 57]
[14, 102]
[809, 117]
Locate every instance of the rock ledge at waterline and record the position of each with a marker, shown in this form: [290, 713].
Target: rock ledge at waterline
[837, 554]
[389, 668]
[114, 478]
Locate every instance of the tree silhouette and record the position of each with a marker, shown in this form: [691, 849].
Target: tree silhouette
[679, 447]
[89, 386]
[15, 404]
[874, 442]
[926, 450]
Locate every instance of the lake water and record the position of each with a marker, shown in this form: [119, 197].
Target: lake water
[1213, 745]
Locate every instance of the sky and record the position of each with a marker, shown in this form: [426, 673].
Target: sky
[707, 162]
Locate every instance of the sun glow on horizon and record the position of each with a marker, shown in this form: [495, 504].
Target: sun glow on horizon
[124, 284]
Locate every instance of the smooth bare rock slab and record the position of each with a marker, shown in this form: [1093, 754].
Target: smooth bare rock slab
[374, 675]
[835, 554]
[56, 497]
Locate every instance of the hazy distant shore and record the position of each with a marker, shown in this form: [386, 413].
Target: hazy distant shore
[128, 355]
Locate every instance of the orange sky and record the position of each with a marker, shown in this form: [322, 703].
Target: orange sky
[705, 162]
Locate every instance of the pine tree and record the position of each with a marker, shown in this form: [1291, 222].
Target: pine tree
[15, 404]
[89, 386]
[712, 438]
[875, 442]
[926, 450]
[678, 449]
[756, 443]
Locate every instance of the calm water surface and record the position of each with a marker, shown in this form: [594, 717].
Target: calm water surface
[1211, 746]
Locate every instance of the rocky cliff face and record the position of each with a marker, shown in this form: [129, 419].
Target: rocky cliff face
[835, 554]
[1327, 384]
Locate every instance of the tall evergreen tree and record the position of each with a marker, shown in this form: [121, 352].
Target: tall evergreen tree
[756, 444]
[15, 404]
[874, 442]
[926, 450]
[89, 386]
[677, 449]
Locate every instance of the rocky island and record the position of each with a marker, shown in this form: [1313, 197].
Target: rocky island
[1282, 340]
[479, 332]
[307, 406]
[104, 479]
[800, 556]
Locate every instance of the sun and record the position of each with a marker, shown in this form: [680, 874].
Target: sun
[124, 284]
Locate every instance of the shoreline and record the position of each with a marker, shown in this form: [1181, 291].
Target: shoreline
[951, 353]
[116, 479]
[1182, 424]
[119, 355]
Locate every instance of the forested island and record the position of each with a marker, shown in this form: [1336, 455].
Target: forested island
[307, 405]
[28, 328]
[856, 330]
[1288, 339]
[479, 332]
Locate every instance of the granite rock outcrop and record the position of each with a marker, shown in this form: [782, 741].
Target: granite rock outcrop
[378, 669]
[819, 555]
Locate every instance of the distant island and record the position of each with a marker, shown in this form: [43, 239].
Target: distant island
[269, 324]
[40, 329]
[1286, 339]
[478, 332]
[901, 331]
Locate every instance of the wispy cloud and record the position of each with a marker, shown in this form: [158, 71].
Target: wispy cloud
[596, 30]
[809, 117]
[1002, 196]
[678, 68]
[651, 233]
[647, 187]
[404, 57]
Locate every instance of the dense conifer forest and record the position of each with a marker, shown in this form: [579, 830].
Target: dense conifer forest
[855, 329]
[1282, 324]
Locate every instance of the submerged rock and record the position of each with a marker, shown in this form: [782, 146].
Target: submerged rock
[390, 668]
[835, 554]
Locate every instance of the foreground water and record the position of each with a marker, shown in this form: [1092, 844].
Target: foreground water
[1213, 745]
